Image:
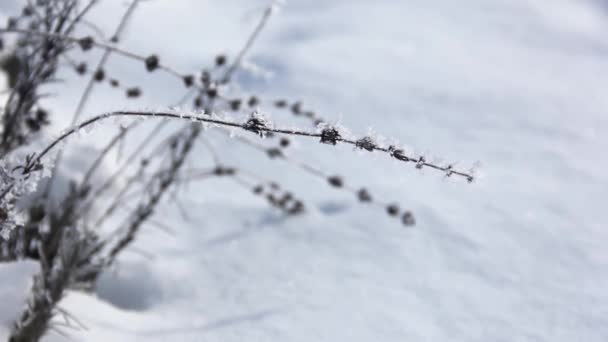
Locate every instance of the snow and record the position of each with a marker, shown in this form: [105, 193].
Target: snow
[519, 255]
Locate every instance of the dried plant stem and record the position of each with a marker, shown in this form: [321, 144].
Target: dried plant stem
[250, 41]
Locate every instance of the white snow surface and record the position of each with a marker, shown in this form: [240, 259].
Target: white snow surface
[520, 255]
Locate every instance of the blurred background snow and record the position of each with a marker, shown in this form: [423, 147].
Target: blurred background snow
[520, 255]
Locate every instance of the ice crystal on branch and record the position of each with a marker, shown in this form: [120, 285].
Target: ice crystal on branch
[258, 123]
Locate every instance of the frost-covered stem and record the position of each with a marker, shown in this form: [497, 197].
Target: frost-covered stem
[420, 162]
[106, 185]
[104, 58]
[105, 151]
[91, 83]
[254, 35]
[145, 210]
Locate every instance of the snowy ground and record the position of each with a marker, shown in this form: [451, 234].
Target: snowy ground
[519, 85]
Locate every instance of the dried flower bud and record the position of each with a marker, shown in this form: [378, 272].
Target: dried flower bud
[330, 135]
[211, 92]
[32, 124]
[397, 153]
[86, 43]
[257, 124]
[188, 80]
[99, 75]
[81, 68]
[11, 23]
[296, 108]
[235, 104]
[152, 63]
[280, 103]
[420, 163]
[27, 11]
[258, 189]
[363, 195]
[220, 60]
[448, 171]
[408, 218]
[285, 199]
[274, 152]
[133, 92]
[114, 82]
[42, 115]
[392, 209]
[470, 179]
[205, 77]
[297, 208]
[335, 181]
[366, 143]
[198, 102]
[284, 142]
[253, 101]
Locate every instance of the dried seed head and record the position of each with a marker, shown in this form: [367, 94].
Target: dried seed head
[224, 171]
[330, 135]
[258, 189]
[296, 108]
[205, 77]
[408, 218]
[211, 92]
[114, 82]
[335, 181]
[235, 104]
[392, 209]
[188, 80]
[448, 171]
[470, 179]
[271, 198]
[198, 102]
[284, 142]
[280, 103]
[296, 208]
[420, 163]
[133, 92]
[152, 63]
[99, 75]
[220, 60]
[366, 143]
[42, 115]
[285, 198]
[274, 152]
[11, 23]
[363, 195]
[86, 43]
[27, 11]
[81, 68]
[397, 153]
[32, 124]
[257, 123]
[253, 101]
